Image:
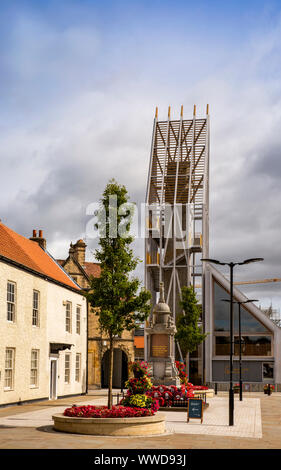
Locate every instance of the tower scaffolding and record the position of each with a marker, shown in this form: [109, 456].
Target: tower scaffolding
[177, 207]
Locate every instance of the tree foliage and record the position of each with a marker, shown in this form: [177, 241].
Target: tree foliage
[115, 296]
[189, 333]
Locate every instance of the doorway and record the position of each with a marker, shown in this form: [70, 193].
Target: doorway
[120, 369]
[53, 379]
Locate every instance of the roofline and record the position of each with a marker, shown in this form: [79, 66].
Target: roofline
[77, 290]
[61, 267]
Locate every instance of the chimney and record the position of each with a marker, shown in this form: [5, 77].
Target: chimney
[80, 251]
[39, 239]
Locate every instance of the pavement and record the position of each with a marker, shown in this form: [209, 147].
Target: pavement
[257, 425]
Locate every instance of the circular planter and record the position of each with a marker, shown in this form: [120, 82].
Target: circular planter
[142, 426]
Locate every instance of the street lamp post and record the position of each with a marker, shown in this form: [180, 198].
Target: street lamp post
[240, 342]
[231, 266]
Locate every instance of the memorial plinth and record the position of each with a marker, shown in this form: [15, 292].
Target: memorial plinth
[160, 341]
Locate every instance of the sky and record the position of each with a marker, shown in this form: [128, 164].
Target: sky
[80, 81]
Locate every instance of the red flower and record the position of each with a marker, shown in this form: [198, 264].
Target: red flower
[103, 411]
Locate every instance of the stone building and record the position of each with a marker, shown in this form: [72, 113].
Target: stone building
[98, 345]
[43, 316]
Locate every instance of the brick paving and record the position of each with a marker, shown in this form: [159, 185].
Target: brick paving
[257, 425]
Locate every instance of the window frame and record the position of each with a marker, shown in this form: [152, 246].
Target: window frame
[78, 320]
[12, 369]
[36, 369]
[34, 309]
[67, 358]
[68, 318]
[78, 370]
[10, 302]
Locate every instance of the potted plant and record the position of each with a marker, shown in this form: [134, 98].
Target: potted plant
[268, 388]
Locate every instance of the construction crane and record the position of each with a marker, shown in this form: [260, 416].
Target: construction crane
[257, 281]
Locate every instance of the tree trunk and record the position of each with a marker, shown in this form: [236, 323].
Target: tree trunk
[187, 366]
[111, 350]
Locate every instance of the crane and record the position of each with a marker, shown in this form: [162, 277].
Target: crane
[257, 281]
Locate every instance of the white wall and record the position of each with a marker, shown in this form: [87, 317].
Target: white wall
[24, 337]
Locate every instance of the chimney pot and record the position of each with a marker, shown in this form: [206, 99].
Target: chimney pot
[34, 233]
[40, 233]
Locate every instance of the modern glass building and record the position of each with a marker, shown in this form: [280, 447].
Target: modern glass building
[261, 338]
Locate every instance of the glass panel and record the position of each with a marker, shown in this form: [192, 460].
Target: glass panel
[267, 370]
[222, 314]
[251, 346]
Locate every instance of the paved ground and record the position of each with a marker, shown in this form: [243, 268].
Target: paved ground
[257, 425]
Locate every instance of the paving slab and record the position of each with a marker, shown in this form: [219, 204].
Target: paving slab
[247, 419]
[17, 434]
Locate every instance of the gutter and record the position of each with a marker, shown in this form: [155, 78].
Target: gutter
[38, 274]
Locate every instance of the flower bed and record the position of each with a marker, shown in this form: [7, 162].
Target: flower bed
[114, 426]
[90, 411]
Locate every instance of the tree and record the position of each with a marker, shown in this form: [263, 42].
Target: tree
[189, 333]
[113, 295]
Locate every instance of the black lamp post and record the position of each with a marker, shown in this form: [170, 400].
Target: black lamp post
[231, 266]
[240, 342]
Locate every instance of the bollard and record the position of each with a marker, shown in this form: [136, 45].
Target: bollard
[216, 388]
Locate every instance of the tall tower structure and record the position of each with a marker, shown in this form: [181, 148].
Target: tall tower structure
[177, 205]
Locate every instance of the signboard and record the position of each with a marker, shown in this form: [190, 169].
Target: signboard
[195, 409]
[159, 345]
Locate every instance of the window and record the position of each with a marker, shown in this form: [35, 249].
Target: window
[249, 324]
[68, 317]
[77, 367]
[11, 301]
[34, 368]
[78, 319]
[67, 368]
[251, 346]
[35, 311]
[267, 370]
[9, 368]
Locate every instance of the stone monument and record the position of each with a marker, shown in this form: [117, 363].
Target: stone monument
[160, 340]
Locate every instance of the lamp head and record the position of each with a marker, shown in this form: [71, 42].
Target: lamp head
[215, 261]
[251, 260]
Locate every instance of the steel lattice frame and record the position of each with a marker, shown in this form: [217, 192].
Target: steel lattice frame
[178, 178]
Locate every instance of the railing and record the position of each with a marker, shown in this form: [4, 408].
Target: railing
[181, 403]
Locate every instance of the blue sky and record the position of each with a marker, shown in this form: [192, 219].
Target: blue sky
[79, 84]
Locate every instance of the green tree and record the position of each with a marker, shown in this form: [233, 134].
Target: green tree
[189, 333]
[114, 295]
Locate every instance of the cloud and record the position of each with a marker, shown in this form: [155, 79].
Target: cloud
[79, 100]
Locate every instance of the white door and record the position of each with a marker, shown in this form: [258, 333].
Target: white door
[53, 379]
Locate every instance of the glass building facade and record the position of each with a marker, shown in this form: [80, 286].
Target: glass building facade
[257, 342]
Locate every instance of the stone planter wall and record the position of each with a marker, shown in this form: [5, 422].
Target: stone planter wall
[147, 425]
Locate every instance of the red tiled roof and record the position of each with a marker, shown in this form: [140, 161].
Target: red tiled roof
[92, 269]
[28, 253]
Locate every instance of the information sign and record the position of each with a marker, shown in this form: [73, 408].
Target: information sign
[195, 409]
